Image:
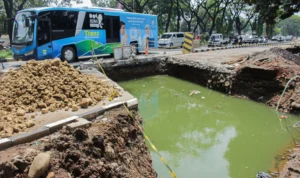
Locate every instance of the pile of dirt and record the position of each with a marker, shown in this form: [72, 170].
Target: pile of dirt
[45, 86]
[291, 168]
[264, 75]
[112, 147]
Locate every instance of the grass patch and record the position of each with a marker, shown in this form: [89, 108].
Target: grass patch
[6, 54]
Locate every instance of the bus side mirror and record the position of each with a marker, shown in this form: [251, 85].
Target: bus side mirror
[27, 23]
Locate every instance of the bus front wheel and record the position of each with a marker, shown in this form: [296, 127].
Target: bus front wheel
[68, 54]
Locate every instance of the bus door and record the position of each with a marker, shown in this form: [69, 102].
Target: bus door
[44, 39]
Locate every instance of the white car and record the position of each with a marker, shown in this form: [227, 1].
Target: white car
[217, 40]
[281, 39]
[171, 39]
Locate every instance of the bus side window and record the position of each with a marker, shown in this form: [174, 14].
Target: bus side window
[112, 28]
[107, 25]
[43, 32]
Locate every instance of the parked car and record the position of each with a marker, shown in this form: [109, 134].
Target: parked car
[241, 39]
[234, 40]
[281, 38]
[251, 39]
[171, 39]
[289, 38]
[217, 40]
[275, 38]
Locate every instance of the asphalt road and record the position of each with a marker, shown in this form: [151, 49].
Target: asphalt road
[154, 52]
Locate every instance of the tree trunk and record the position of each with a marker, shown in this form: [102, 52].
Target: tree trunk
[8, 5]
[212, 27]
[178, 16]
[195, 28]
[169, 15]
[238, 25]
[189, 26]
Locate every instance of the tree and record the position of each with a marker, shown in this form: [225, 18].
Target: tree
[290, 26]
[187, 16]
[104, 3]
[169, 14]
[237, 8]
[200, 13]
[271, 9]
[134, 5]
[217, 7]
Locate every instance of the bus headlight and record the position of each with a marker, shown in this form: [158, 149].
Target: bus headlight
[29, 53]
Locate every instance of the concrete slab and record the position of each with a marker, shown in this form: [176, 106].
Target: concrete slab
[132, 103]
[30, 136]
[92, 114]
[113, 105]
[214, 59]
[5, 143]
[79, 123]
[59, 124]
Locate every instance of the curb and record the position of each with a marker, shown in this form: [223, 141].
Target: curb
[48, 129]
[8, 60]
[241, 46]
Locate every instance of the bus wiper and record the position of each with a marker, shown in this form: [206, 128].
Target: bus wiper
[24, 43]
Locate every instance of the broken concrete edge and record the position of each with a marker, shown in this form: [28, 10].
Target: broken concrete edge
[242, 46]
[55, 126]
[5, 143]
[133, 103]
[79, 123]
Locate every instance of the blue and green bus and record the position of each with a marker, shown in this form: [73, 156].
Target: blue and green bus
[77, 33]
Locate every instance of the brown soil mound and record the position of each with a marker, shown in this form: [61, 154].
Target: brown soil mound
[112, 147]
[264, 76]
[45, 86]
[275, 53]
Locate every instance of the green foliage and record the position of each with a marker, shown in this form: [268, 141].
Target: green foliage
[204, 37]
[290, 26]
[4, 54]
[271, 9]
[104, 3]
[276, 31]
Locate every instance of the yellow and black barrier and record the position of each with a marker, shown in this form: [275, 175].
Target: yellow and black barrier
[188, 43]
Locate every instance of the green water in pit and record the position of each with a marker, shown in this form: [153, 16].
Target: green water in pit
[207, 134]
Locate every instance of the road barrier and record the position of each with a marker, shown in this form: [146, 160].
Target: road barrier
[248, 45]
[188, 43]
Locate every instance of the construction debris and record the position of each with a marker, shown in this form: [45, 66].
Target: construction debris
[114, 148]
[264, 76]
[44, 87]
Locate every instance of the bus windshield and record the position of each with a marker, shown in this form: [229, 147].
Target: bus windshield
[21, 33]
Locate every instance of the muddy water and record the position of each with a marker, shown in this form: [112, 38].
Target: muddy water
[207, 134]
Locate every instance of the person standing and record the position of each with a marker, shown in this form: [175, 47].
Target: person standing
[146, 38]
